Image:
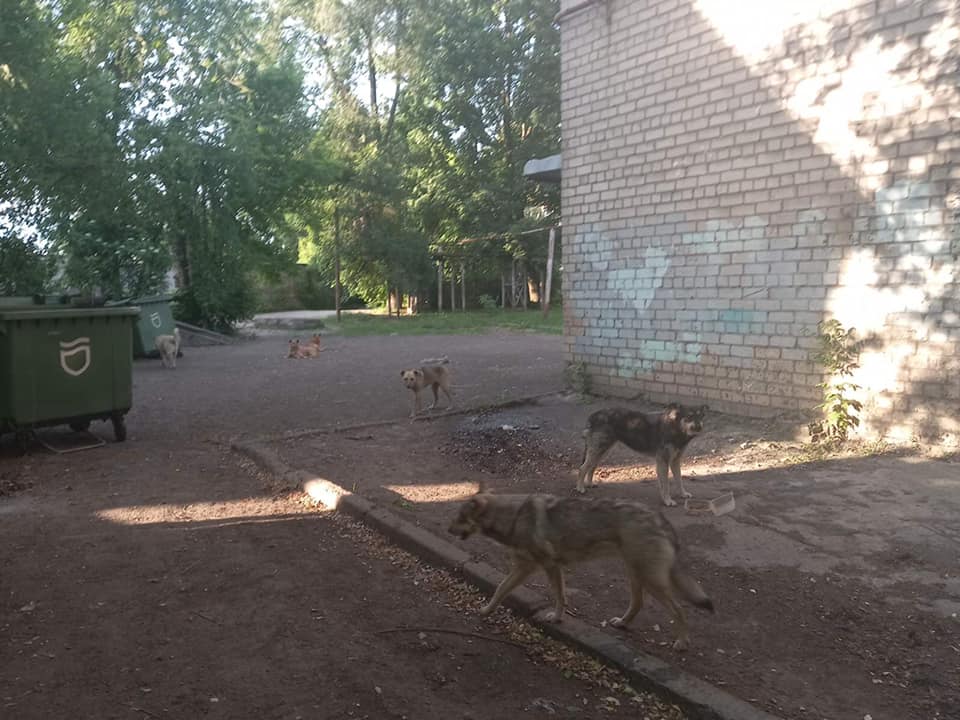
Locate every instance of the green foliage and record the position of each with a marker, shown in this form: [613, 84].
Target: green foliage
[302, 288]
[456, 96]
[115, 259]
[26, 270]
[217, 137]
[137, 133]
[839, 354]
[216, 305]
[577, 378]
[451, 323]
[487, 302]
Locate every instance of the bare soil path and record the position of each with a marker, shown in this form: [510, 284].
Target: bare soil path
[164, 578]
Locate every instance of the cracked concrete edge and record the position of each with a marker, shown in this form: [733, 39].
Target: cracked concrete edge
[330, 429]
[699, 699]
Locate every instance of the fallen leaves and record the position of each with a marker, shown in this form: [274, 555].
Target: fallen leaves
[458, 595]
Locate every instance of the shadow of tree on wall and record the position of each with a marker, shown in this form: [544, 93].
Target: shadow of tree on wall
[899, 287]
[786, 169]
[879, 95]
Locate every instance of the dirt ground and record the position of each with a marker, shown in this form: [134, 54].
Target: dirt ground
[164, 578]
[837, 581]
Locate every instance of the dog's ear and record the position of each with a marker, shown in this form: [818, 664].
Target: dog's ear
[402, 372]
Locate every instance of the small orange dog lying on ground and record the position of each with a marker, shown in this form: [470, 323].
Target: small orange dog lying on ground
[311, 349]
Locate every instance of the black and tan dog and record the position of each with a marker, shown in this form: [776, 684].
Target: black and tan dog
[432, 376]
[664, 435]
[543, 531]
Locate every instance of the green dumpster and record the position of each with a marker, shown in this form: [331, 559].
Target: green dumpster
[65, 366]
[16, 301]
[156, 318]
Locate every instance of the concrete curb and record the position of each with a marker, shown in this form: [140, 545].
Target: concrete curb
[699, 699]
[329, 429]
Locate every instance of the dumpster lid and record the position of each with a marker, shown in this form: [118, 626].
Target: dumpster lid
[65, 311]
[149, 299]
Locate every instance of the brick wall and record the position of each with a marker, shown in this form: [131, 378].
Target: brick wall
[734, 173]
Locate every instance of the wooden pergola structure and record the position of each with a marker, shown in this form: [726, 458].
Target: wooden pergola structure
[512, 281]
[545, 170]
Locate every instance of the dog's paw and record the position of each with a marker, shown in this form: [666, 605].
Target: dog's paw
[551, 616]
[581, 489]
[686, 494]
[681, 644]
[617, 622]
[669, 502]
[486, 610]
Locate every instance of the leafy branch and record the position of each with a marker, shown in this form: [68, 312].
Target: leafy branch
[839, 354]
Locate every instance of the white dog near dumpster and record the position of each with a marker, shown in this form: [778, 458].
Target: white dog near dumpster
[169, 347]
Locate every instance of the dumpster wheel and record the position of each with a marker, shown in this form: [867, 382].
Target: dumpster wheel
[119, 427]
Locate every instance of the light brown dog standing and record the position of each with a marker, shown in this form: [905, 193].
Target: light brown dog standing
[432, 376]
[169, 348]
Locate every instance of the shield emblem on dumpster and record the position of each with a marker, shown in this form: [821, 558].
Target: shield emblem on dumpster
[75, 356]
[156, 320]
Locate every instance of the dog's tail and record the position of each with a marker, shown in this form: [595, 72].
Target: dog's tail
[436, 361]
[689, 589]
[684, 585]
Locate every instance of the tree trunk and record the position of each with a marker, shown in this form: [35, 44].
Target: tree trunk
[182, 253]
[337, 288]
[523, 285]
[551, 245]
[439, 287]
[372, 79]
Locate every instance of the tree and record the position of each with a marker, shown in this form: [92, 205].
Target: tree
[141, 132]
[472, 92]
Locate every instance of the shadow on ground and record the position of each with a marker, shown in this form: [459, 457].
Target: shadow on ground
[852, 559]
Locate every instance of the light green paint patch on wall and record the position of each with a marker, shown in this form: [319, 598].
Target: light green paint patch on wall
[637, 286]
